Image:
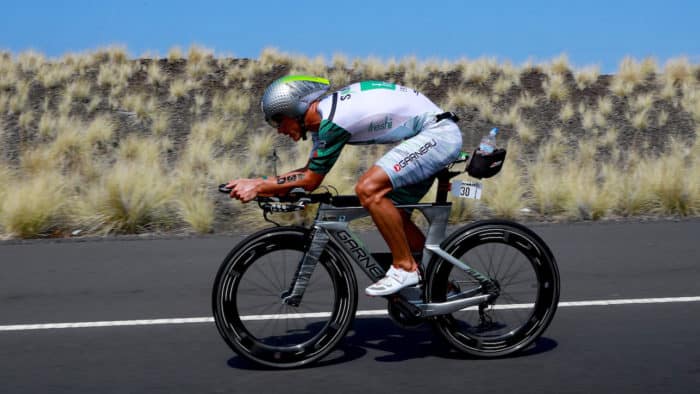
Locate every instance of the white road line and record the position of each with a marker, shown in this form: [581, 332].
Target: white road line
[377, 312]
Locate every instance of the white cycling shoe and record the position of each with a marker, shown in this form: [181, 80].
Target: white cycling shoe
[395, 280]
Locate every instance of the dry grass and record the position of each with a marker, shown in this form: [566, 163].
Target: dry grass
[18, 102]
[79, 90]
[124, 203]
[154, 74]
[52, 75]
[505, 193]
[631, 74]
[6, 179]
[28, 210]
[673, 194]
[8, 73]
[605, 106]
[559, 65]
[691, 103]
[231, 103]
[197, 210]
[305, 66]
[72, 132]
[678, 72]
[100, 130]
[199, 61]
[115, 75]
[503, 84]
[269, 57]
[587, 117]
[477, 71]
[25, 120]
[160, 124]
[512, 117]
[525, 132]
[555, 87]
[544, 173]
[4, 101]
[142, 105]
[586, 197]
[567, 112]
[174, 54]
[587, 76]
[30, 61]
[526, 100]
[141, 151]
[180, 88]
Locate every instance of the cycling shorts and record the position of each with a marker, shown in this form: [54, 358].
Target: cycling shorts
[412, 165]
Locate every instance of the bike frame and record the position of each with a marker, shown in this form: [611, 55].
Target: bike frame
[332, 225]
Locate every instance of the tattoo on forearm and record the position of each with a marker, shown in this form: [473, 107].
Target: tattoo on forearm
[289, 178]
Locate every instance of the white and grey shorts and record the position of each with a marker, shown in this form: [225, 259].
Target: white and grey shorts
[417, 159]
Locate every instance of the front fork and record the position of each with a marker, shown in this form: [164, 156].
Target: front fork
[319, 240]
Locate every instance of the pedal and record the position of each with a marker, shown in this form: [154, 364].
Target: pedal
[412, 294]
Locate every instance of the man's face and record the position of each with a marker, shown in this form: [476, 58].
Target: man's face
[290, 127]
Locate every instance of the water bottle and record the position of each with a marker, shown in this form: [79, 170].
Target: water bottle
[488, 142]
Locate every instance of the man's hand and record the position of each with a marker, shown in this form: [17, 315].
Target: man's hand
[244, 189]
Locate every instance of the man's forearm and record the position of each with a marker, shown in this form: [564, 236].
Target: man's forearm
[281, 184]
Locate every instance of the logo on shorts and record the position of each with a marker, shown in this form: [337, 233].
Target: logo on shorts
[415, 155]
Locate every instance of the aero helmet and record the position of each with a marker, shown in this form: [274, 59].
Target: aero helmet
[291, 96]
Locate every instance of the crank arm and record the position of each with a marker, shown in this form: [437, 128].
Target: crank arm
[447, 307]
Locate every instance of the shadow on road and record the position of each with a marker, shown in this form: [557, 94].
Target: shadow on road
[396, 344]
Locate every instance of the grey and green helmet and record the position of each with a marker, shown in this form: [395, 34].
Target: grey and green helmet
[291, 96]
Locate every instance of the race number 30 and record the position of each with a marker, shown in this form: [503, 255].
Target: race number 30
[464, 189]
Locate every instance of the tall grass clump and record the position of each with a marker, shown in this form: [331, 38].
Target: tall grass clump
[544, 174]
[180, 88]
[670, 183]
[555, 87]
[631, 74]
[477, 71]
[196, 208]
[630, 185]
[231, 103]
[586, 76]
[123, 202]
[34, 206]
[174, 54]
[199, 62]
[155, 76]
[678, 72]
[588, 199]
[52, 75]
[505, 193]
[6, 178]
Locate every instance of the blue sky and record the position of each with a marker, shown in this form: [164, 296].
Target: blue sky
[589, 32]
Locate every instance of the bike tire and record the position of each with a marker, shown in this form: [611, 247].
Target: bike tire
[266, 251]
[515, 250]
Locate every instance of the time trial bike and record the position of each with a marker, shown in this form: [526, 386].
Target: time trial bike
[286, 296]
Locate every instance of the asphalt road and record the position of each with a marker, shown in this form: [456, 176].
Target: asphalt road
[647, 346]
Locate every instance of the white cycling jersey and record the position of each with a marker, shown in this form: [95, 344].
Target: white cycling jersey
[368, 112]
[376, 112]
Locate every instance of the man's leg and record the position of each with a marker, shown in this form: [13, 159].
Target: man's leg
[414, 235]
[372, 189]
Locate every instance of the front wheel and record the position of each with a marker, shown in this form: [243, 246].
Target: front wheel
[248, 308]
[526, 277]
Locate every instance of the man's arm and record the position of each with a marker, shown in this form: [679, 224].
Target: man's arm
[281, 184]
[247, 189]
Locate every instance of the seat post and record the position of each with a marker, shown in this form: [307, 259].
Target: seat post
[443, 188]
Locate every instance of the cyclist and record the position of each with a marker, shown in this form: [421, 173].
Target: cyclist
[368, 112]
